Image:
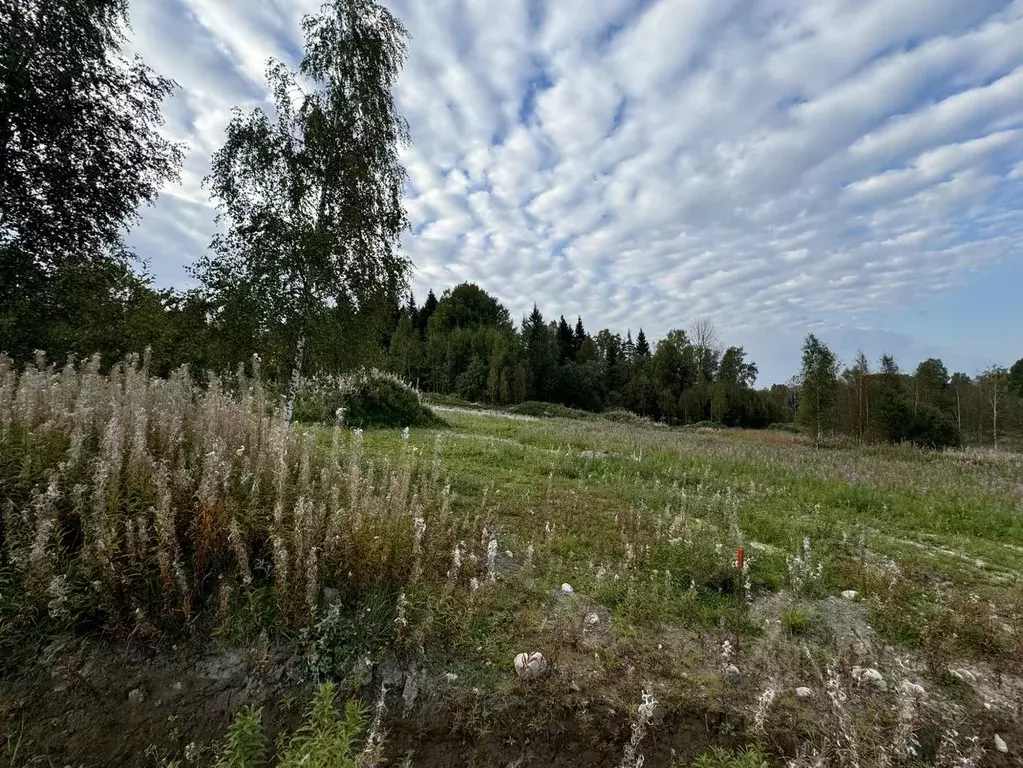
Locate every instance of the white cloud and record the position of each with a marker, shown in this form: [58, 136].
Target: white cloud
[772, 164]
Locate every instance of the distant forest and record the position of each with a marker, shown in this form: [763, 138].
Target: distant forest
[306, 269]
[465, 343]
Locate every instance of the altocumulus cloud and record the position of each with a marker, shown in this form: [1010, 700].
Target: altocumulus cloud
[774, 165]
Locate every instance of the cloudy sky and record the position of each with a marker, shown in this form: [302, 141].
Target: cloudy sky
[851, 167]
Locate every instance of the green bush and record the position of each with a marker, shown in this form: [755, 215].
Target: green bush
[622, 416]
[326, 739]
[548, 410]
[363, 399]
[723, 758]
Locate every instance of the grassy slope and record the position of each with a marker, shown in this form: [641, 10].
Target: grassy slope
[951, 526]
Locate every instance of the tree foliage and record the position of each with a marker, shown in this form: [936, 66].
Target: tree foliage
[819, 386]
[310, 197]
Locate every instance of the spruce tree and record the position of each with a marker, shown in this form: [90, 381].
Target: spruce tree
[566, 348]
[642, 345]
[579, 336]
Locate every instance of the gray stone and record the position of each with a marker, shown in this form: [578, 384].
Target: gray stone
[850, 594]
[1000, 745]
[804, 693]
[732, 675]
[136, 695]
[870, 676]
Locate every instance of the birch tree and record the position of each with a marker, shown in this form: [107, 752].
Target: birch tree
[310, 197]
[818, 387]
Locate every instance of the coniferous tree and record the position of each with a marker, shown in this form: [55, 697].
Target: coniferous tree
[541, 353]
[642, 346]
[566, 345]
[578, 336]
[428, 310]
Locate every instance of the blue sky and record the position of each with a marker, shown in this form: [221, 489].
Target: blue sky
[850, 167]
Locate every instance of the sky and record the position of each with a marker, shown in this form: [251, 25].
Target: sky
[851, 168]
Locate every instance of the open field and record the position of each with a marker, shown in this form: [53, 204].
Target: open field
[447, 558]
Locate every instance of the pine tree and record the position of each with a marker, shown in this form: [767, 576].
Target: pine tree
[630, 348]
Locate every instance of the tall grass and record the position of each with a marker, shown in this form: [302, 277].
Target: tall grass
[140, 503]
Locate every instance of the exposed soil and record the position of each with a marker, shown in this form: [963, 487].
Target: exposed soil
[85, 704]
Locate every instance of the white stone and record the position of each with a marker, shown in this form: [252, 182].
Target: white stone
[450, 677]
[530, 666]
[871, 677]
[1000, 744]
[912, 689]
[850, 594]
[566, 589]
[804, 693]
[592, 619]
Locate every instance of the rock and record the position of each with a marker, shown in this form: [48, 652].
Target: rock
[870, 676]
[136, 695]
[1000, 744]
[530, 666]
[964, 674]
[450, 677]
[850, 594]
[592, 619]
[566, 589]
[912, 689]
[574, 686]
[804, 693]
[732, 675]
[410, 691]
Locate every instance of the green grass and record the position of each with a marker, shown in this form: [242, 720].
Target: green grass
[644, 523]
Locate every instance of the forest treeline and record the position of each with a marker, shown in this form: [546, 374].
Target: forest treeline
[306, 269]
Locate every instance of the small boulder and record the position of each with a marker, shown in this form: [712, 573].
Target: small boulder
[566, 589]
[592, 619]
[850, 594]
[1000, 745]
[870, 676]
[804, 693]
[912, 689]
[732, 675]
[529, 666]
[136, 695]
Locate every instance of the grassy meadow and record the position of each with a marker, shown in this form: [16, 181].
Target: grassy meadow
[409, 570]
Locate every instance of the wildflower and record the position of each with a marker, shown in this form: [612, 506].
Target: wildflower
[644, 714]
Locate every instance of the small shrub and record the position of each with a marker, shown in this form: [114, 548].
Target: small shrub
[326, 738]
[548, 410]
[622, 416]
[797, 621]
[245, 746]
[363, 399]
